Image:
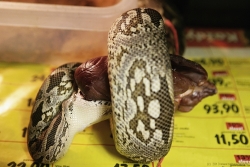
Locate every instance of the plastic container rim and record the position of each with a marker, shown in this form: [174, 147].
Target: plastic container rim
[62, 16]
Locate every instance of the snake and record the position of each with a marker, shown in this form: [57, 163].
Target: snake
[141, 101]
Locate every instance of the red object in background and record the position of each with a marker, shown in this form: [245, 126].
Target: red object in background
[235, 126]
[214, 37]
[220, 73]
[244, 159]
[227, 96]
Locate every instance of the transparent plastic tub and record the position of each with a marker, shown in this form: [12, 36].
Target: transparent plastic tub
[55, 34]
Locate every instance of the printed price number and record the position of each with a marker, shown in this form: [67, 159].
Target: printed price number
[126, 165]
[23, 164]
[209, 61]
[221, 108]
[14, 164]
[234, 139]
[36, 164]
[219, 81]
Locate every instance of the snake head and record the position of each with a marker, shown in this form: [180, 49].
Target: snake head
[92, 79]
[190, 83]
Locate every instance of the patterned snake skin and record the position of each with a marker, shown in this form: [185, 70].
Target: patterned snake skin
[59, 113]
[141, 85]
[142, 97]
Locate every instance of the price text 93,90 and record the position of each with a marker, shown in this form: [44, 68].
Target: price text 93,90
[221, 108]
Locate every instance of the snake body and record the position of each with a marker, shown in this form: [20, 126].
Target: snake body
[142, 99]
[141, 85]
[59, 113]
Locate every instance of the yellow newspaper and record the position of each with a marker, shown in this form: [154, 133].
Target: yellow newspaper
[216, 133]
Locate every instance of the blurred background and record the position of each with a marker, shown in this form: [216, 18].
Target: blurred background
[214, 13]
[47, 29]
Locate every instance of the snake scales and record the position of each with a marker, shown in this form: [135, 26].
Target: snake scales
[135, 87]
